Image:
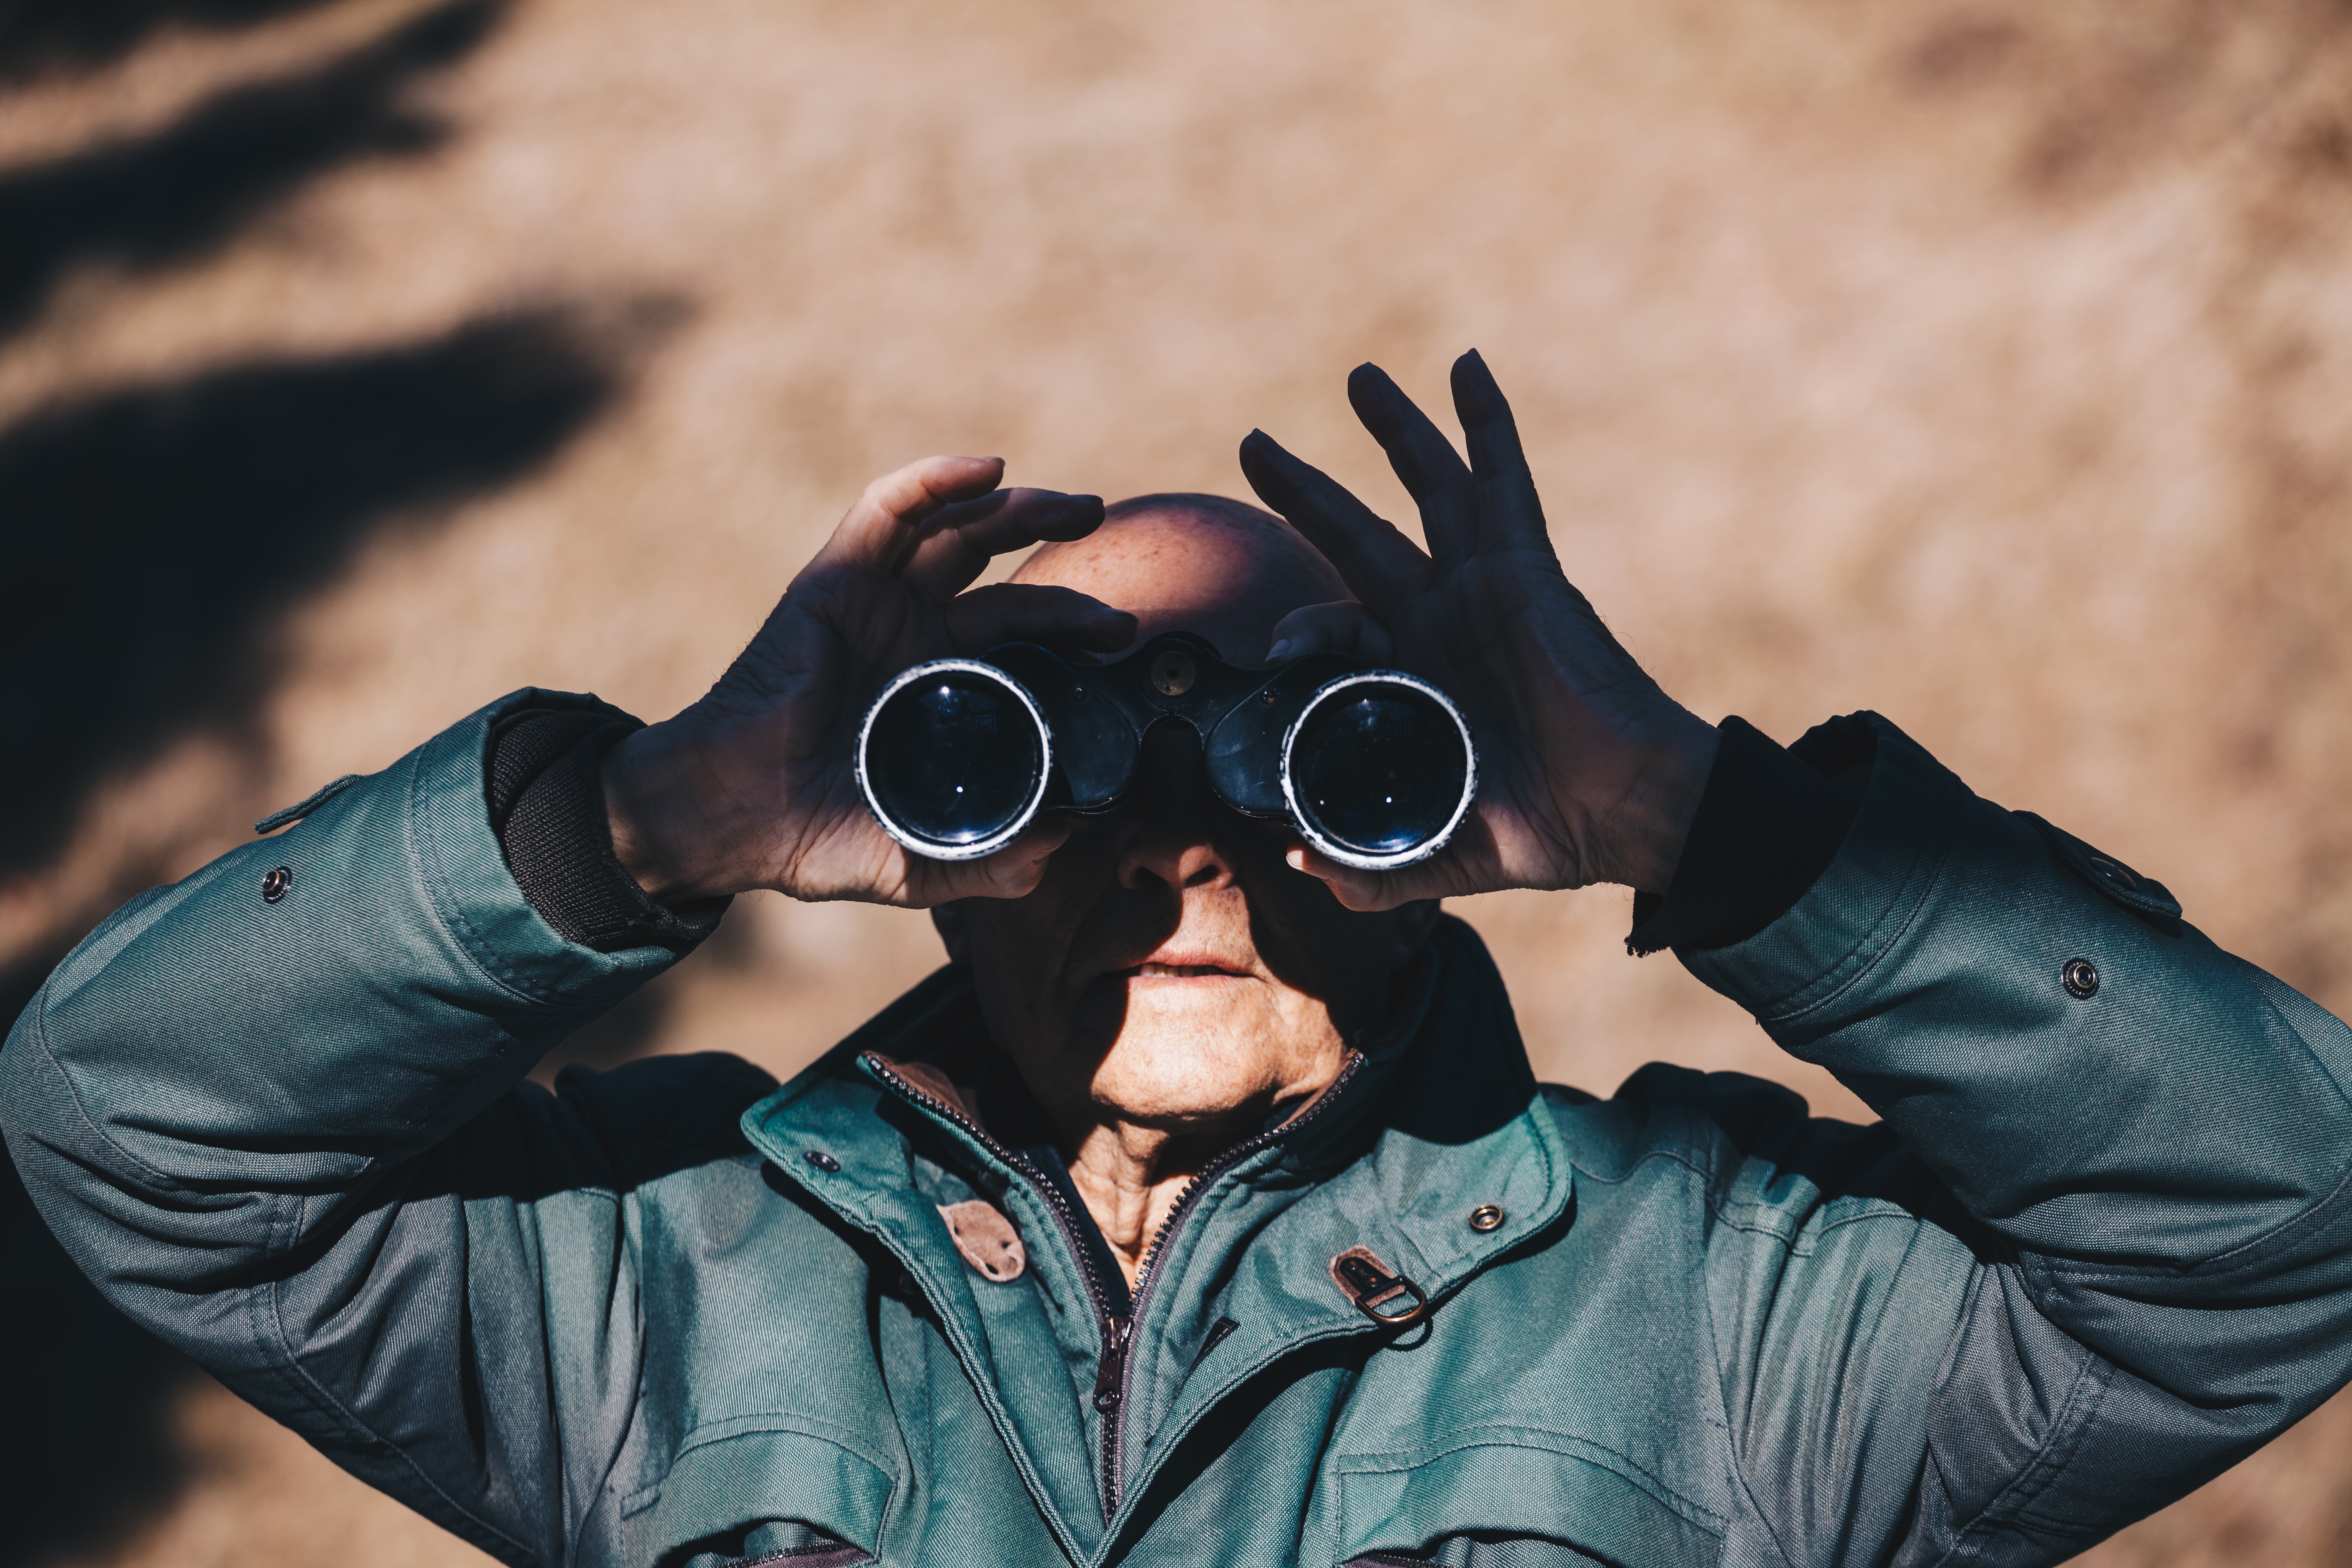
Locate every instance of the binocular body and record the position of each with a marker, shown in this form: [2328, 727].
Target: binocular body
[1373, 767]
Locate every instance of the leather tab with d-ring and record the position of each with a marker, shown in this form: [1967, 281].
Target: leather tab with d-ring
[1370, 1285]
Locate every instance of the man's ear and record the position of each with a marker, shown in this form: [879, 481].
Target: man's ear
[948, 920]
[1408, 931]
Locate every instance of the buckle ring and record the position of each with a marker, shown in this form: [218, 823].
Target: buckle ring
[1368, 1284]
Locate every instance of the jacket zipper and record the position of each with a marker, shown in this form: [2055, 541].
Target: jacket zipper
[1113, 1327]
[1113, 1367]
[1114, 1454]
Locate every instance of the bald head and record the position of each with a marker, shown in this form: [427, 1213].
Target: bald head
[1199, 563]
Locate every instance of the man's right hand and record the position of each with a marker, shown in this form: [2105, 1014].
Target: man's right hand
[755, 785]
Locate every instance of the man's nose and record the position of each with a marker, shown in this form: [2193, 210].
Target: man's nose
[1174, 816]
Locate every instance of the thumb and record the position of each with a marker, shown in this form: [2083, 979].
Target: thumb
[1013, 872]
[1368, 891]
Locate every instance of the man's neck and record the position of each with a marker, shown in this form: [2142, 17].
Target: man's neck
[1129, 1178]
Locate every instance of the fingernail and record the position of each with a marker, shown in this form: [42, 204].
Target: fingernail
[1296, 858]
[1277, 650]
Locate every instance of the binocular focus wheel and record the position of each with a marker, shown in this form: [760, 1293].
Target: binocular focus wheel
[1419, 846]
[1002, 811]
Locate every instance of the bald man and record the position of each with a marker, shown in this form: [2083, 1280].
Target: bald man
[1203, 1209]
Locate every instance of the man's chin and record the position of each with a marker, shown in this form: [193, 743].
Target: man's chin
[1194, 1049]
[1165, 1012]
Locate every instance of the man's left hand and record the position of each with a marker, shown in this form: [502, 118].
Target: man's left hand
[1588, 770]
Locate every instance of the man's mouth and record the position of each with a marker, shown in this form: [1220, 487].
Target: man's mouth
[1179, 971]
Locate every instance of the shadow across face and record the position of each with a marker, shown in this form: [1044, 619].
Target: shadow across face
[1171, 969]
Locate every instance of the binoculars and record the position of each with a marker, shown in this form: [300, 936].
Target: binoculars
[1373, 767]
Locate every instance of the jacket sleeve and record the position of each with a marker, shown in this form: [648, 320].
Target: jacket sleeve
[2099, 1250]
[286, 1135]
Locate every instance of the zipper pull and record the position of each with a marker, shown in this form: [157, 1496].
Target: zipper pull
[1110, 1374]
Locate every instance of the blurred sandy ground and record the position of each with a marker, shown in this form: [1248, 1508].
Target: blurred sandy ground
[1989, 365]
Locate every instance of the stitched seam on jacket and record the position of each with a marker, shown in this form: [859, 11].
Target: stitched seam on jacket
[1951, 799]
[1800, 1239]
[38, 1012]
[1738, 1462]
[293, 1363]
[441, 902]
[1689, 1509]
[790, 1423]
[1722, 1211]
[1738, 1459]
[2057, 1271]
[624, 1240]
[2037, 1474]
[1887, 939]
[2247, 1254]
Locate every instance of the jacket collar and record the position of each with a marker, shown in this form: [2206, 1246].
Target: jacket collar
[1440, 1120]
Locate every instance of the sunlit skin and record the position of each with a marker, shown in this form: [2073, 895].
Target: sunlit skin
[1165, 975]
[1171, 978]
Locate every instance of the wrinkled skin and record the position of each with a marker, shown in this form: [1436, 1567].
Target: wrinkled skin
[1171, 977]
[1164, 975]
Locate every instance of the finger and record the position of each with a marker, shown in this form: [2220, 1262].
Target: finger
[1379, 565]
[1011, 872]
[1344, 626]
[1369, 891]
[1431, 471]
[1509, 512]
[1038, 613]
[956, 545]
[874, 534]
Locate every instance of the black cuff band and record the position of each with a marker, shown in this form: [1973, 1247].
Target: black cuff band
[547, 806]
[1768, 825]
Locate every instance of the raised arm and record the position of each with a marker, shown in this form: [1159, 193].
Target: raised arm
[2112, 1252]
[274, 1113]
[2100, 1247]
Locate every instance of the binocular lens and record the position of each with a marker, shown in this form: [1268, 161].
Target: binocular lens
[954, 759]
[1378, 768]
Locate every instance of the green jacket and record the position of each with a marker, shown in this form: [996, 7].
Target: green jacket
[2099, 1248]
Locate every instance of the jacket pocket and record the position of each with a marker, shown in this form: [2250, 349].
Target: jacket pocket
[805, 1557]
[1501, 1495]
[732, 1478]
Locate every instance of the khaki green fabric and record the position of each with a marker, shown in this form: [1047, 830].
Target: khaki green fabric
[2098, 1249]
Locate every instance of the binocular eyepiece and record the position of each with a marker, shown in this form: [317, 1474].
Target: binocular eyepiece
[1374, 768]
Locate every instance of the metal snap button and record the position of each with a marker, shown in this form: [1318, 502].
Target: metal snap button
[2115, 871]
[2081, 979]
[277, 885]
[1486, 1217]
[821, 1160]
[1172, 673]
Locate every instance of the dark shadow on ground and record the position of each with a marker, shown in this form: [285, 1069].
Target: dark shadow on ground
[40, 37]
[156, 535]
[168, 198]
